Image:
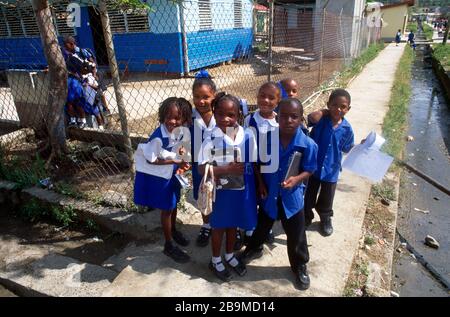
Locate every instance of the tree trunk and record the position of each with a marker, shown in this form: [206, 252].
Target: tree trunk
[114, 68]
[57, 73]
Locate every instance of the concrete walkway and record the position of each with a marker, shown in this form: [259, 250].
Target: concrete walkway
[331, 257]
[143, 270]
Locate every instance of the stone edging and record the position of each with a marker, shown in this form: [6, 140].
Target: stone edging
[138, 226]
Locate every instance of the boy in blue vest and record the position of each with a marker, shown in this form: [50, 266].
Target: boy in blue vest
[284, 199]
[333, 135]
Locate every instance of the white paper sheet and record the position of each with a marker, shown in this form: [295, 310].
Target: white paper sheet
[366, 159]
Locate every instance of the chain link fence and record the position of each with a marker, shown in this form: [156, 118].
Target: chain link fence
[154, 54]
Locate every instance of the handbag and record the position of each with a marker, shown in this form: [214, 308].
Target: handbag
[207, 191]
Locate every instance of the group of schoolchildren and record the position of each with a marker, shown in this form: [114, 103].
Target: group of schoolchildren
[84, 95]
[268, 195]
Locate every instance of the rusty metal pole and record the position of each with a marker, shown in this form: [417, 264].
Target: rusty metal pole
[324, 12]
[115, 77]
[271, 11]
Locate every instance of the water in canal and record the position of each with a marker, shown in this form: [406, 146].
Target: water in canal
[423, 209]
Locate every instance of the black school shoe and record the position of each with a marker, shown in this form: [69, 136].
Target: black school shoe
[224, 275]
[179, 238]
[203, 237]
[302, 280]
[176, 253]
[239, 241]
[270, 239]
[326, 227]
[240, 268]
[250, 254]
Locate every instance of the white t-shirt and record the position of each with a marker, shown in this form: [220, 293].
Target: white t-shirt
[89, 92]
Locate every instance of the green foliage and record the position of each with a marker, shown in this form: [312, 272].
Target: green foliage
[68, 189]
[395, 121]
[412, 27]
[21, 171]
[33, 211]
[138, 4]
[64, 215]
[441, 52]
[428, 31]
[384, 190]
[92, 225]
[369, 240]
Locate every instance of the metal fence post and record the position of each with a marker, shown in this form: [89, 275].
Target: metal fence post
[344, 50]
[184, 41]
[271, 12]
[324, 12]
[115, 77]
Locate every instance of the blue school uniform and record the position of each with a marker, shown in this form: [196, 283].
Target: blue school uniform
[234, 208]
[199, 132]
[292, 199]
[265, 130]
[154, 191]
[331, 142]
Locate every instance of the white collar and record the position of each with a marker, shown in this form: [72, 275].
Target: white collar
[217, 133]
[260, 120]
[172, 136]
[164, 132]
[199, 120]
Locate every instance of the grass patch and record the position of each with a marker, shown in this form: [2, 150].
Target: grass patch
[427, 31]
[21, 171]
[395, 121]
[384, 190]
[412, 27]
[68, 190]
[441, 52]
[369, 240]
[359, 63]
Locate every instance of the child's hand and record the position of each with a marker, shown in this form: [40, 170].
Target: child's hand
[262, 191]
[291, 182]
[184, 165]
[236, 168]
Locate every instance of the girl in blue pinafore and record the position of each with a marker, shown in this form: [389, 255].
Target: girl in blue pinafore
[155, 182]
[203, 122]
[233, 207]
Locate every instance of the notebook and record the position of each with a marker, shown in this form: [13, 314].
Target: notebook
[225, 156]
[294, 165]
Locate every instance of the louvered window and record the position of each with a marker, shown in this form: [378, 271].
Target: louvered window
[14, 23]
[60, 18]
[238, 14]
[137, 20]
[29, 20]
[204, 11]
[3, 26]
[129, 21]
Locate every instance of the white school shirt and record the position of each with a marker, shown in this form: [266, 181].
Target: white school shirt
[89, 92]
[201, 131]
[152, 150]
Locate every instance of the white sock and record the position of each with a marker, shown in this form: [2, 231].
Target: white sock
[83, 120]
[233, 262]
[206, 225]
[73, 119]
[219, 267]
[249, 233]
[100, 127]
[271, 232]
